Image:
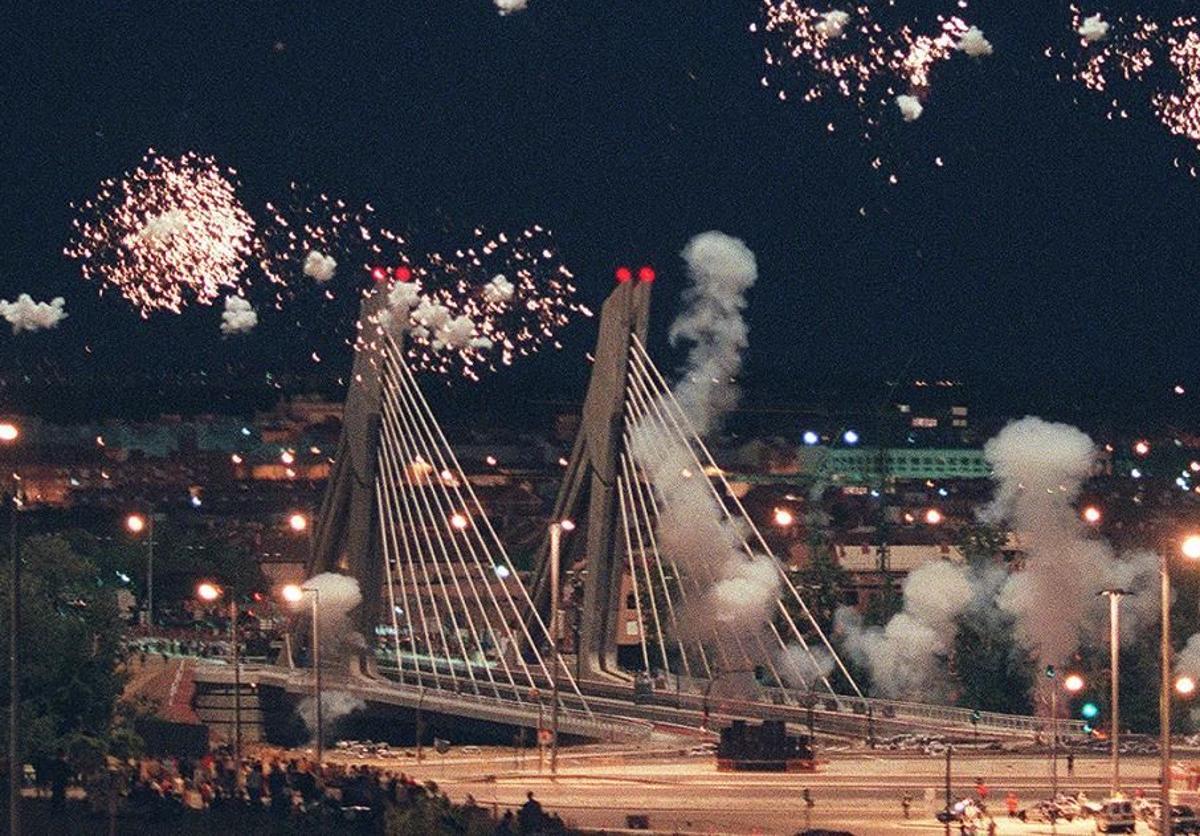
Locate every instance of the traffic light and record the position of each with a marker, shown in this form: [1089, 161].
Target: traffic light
[1089, 711]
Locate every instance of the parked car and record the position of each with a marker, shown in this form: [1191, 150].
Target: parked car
[1183, 820]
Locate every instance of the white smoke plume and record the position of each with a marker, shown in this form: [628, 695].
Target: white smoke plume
[507, 7]
[498, 291]
[802, 670]
[403, 297]
[833, 23]
[1093, 29]
[456, 334]
[161, 228]
[334, 706]
[319, 267]
[722, 269]
[1039, 468]
[910, 107]
[238, 317]
[737, 593]
[906, 657]
[974, 44]
[337, 596]
[1188, 660]
[28, 315]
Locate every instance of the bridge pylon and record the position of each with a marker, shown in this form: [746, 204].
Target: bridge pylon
[588, 494]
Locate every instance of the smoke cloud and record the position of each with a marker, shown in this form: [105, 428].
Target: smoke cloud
[737, 592]
[498, 291]
[833, 23]
[319, 267]
[508, 7]
[238, 317]
[910, 107]
[721, 269]
[1093, 29]
[974, 44]
[28, 315]
[906, 657]
[334, 706]
[1039, 468]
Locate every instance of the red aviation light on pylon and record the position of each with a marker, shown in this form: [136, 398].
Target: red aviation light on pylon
[403, 273]
[379, 275]
[623, 274]
[646, 274]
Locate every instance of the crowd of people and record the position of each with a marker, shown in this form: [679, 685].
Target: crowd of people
[298, 791]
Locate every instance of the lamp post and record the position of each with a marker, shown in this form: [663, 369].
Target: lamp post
[300, 523]
[294, 594]
[209, 592]
[137, 523]
[1072, 683]
[556, 530]
[1114, 645]
[10, 432]
[1189, 547]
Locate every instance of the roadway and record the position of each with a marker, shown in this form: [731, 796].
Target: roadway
[855, 791]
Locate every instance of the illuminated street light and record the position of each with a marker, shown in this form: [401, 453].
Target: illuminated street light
[567, 525]
[1073, 683]
[135, 523]
[1141, 447]
[1092, 515]
[459, 522]
[811, 438]
[294, 594]
[9, 432]
[287, 457]
[208, 591]
[933, 516]
[1185, 686]
[1189, 547]
[850, 437]
[298, 522]
[783, 517]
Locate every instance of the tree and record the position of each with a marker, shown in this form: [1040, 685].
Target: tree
[182, 558]
[824, 578]
[70, 647]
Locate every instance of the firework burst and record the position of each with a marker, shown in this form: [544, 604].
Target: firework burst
[479, 307]
[169, 233]
[462, 311]
[855, 54]
[1136, 61]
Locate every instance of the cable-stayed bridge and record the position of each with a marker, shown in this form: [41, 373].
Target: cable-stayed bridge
[468, 637]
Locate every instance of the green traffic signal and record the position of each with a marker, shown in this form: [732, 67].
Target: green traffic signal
[1089, 711]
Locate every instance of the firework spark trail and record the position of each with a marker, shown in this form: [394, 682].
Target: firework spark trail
[458, 320]
[853, 55]
[867, 56]
[463, 311]
[169, 233]
[1135, 60]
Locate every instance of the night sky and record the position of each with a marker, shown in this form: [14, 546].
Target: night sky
[1054, 253]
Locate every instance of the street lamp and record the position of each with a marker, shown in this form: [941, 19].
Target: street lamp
[556, 529]
[1072, 684]
[10, 432]
[135, 524]
[298, 522]
[1114, 652]
[294, 594]
[1092, 515]
[783, 518]
[1189, 547]
[210, 593]
[933, 517]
